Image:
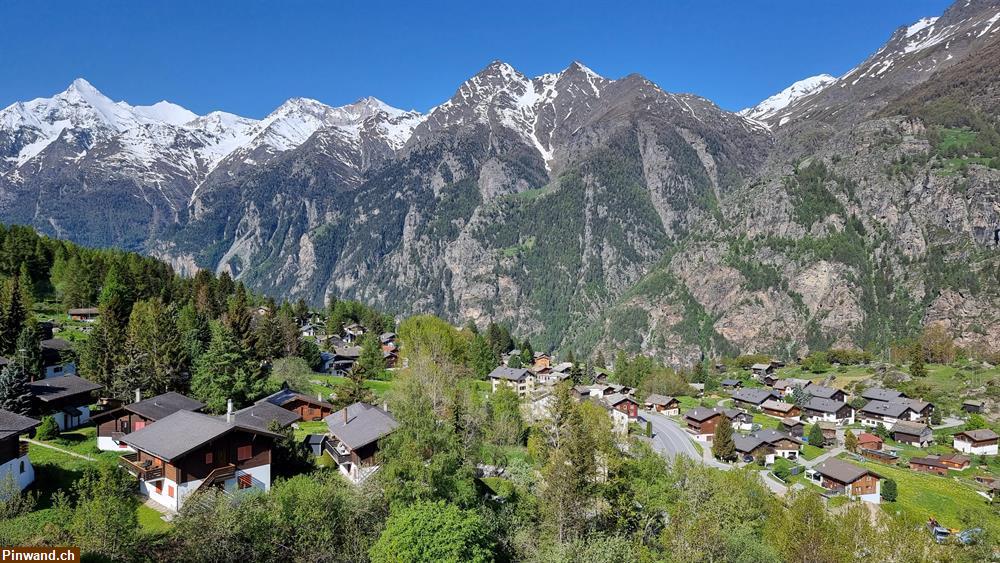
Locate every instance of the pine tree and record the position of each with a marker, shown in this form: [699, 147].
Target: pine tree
[14, 394]
[239, 319]
[514, 362]
[309, 351]
[481, 357]
[353, 391]
[816, 436]
[28, 350]
[527, 353]
[217, 374]
[917, 367]
[850, 441]
[269, 338]
[301, 311]
[723, 444]
[14, 315]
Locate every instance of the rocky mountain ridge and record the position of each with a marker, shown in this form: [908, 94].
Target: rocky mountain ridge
[584, 211]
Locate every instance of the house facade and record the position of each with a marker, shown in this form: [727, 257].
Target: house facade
[912, 433]
[14, 462]
[521, 380]
[828, 410]
[852, 480]
[85, 314]
[663, 404]
[306, 407]
[187, 452]
[353, 436]
[67, 398]
[884, 412]
[780, 409]
[702, 421]
[977, 442]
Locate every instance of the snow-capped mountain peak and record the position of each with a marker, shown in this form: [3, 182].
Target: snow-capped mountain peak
[774, 105]
[166, 112]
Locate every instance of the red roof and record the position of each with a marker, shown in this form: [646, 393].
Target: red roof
[865, 437]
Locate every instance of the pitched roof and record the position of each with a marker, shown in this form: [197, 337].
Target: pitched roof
[57, 344]
[160, 406]
[791, 422]
[916, 404]
[914, 428]
[879, 394]
[733, 413]
[790, 382]
[866, 437]
[729, 382]
[761, 366]
[773, 436]
[260, 415]
[13, 424]
[981, 435]
[84, 311]
[821, 391]
[55, 388]
[701, 413]
[182, 432]
[931, 461]
[510, 374]
[655, 399]
[773, 405]
[883, 408]
[285, 395]
[365, 424]
[842, 471]
[747, 444]
[753, 396]
[820, 404]
[616, 398]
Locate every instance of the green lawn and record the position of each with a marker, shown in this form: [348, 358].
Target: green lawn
[151, 521]
[922, 495]
[310, 427]
[812, 452]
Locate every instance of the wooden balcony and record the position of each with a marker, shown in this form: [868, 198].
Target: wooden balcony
[144, 470]
[22, 448]
[330, 447]
[217, 475]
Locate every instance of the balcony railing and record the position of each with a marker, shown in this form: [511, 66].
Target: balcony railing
[331, 449]
[144, 470]
[216, 475]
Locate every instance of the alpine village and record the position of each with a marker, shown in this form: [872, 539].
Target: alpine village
[661, 332]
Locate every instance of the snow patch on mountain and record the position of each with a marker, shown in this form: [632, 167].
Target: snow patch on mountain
[774, 105]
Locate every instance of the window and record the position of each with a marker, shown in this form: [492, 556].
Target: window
[158, 487]
[244, 453]
[22, 466]
[140, 424]
[170, 491]
[244, 481]
[208, 458]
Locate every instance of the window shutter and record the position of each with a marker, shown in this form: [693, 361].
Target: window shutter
[244, 453]
[208, 458]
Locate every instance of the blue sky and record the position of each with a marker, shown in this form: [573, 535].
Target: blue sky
[247, 57]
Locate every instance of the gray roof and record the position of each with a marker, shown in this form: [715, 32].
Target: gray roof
[821, 391]
[753, 396]
[916, 404]
[841, 471]
[772, 436]
[84, 311]
[55, 388]
[57, 344]
[790, 382]
[284, 396]
[160, 406]
[348, 351]
[655, 399]
[790, 422]
[181, 432]
[761, 366]
[883, 408]
[259, 415]
[732, 414]
[729, 382]
[981, 435]
[931, 461]
[365, 424]
[616, 398]
[773, 405]
[13, 424]
[879, 394]
[747, 444]
[510, 374]
[700, 413]
[824, 405]
[914, 428]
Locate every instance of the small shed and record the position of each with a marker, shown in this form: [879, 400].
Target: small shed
[314, 443]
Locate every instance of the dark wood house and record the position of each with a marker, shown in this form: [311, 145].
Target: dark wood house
[354, 433]
[14, 452]
[66, 398]
[187, 451]
[308, 408]
[114, 424]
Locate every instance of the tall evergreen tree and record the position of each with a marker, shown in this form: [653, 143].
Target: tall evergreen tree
[527, 353]
[28, 350]
[14, 314]
[723, 445]
[14, 394]
[371, 363]
[239, 319]
[917, 367]
[481, 357]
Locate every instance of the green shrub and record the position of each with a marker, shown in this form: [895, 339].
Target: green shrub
[889, 491]
[48, 429]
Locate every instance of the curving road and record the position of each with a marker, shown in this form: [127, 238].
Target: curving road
[670, 440]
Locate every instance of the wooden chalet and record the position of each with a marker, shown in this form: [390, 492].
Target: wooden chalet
[793, 426]
[852, 480]
[114, 424]
[823, 392]
[354, 433]
[187, 452]
[818, 409]
[780, 409]
[306, 407]
[884, 412]
[14, 460]
[958, 462]
[623, 403]
[869, 441]
[761, 370]
[702, 421]
[976, 442]
[67, 398]
[57, 358]
[753, 397]
[913, 433]
[663, 404]
[972, 406]
[929, 464]
[85, 314]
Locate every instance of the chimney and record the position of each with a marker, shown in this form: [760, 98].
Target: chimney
[345, 416]
[229, 410]
[138, 394]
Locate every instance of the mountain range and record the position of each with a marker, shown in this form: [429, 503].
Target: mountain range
[583, 211]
